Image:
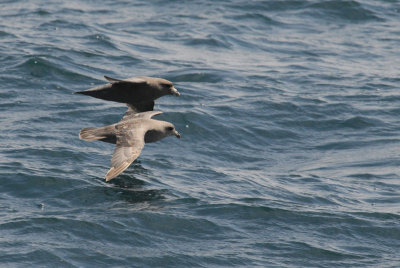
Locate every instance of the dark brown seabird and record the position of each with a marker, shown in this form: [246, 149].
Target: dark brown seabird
[138, 93]
[130, 135]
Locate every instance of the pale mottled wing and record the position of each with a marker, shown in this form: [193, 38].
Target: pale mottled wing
[122, 158]
[128, 147]
[132, 114]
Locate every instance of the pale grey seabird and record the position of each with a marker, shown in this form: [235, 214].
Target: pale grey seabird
[138, 93]
[130, 135]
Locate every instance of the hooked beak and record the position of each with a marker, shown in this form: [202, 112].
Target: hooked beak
[174, 91]
[176, 133]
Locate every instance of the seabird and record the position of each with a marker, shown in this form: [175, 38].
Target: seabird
[138, 93]
[130, 135]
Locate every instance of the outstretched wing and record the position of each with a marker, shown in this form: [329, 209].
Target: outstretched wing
[132, 114]
[122, 158]
[133, 90]
[130, 142]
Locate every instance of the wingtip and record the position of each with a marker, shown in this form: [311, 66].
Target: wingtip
[109, 176]
[114, 172]
[112, 80]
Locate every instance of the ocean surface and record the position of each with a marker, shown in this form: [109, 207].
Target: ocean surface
[290, 121]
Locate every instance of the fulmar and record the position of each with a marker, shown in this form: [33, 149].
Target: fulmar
[130, 135]
[138, 93]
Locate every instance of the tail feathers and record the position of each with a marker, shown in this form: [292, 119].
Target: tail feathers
[92, 134]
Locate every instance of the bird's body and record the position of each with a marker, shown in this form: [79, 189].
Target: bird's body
[138, 92]
[130, 135]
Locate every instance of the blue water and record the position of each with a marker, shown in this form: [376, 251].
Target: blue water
[290, 123]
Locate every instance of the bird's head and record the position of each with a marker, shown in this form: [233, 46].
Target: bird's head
[168, 87]
[170, 130]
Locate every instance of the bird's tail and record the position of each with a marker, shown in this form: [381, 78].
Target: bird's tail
[99, 133]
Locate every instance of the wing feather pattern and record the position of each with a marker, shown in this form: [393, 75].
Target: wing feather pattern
[129, 146]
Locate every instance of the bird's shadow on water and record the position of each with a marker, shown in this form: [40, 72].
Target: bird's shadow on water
[129, 188]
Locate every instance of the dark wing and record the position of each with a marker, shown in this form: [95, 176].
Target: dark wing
[134, 91]
[129, 146]
[142, 106]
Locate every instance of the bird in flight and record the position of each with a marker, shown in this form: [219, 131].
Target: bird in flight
[130, 135]
[139, 93]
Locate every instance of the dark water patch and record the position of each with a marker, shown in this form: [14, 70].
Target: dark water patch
[35, 66]
[154, 25]
[142, 196]
[51, 155]
[258, 18]
[358, 122]
[391, 218]
[348, 98]
[210, 41]
[99, 257]
[237, 41]
[6, 34]
[226, 28]
[126, 181]
[391, 79]
[354, 144]
[351, 11]
[234, 211]
[53, 227]
[167, 225]
[135, 47]
[43, 12]
[270, 6]
[37, 257]
[41, 67]
[371, 176]
[33, 184]
[265, 215]
[10, 95]
[379, 163]
[101, 195]
[377, 86]
[100, 42]
[319, 253]
[59, 26]
[201, 76]
[275, 133]
[72, 10]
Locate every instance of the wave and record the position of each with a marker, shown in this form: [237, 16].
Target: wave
[352, 11]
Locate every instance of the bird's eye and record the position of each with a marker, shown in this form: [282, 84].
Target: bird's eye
[170, 128]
